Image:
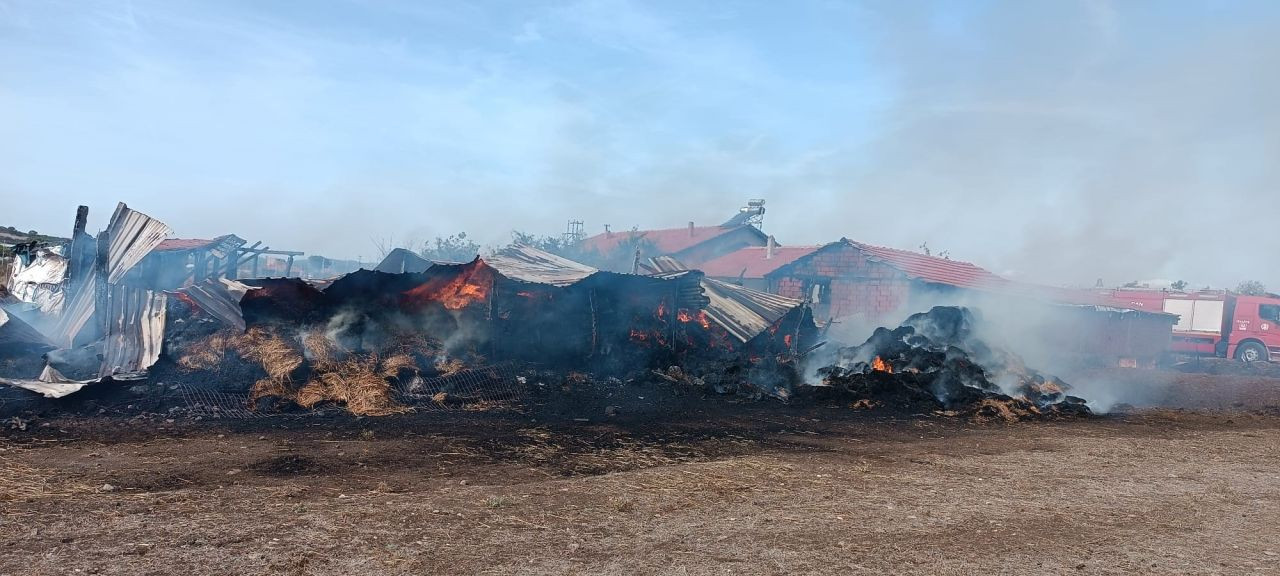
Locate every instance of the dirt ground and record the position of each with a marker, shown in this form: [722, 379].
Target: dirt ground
[716, 487]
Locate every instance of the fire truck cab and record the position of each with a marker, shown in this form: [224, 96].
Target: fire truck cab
[1227, 325]
[1251, 329]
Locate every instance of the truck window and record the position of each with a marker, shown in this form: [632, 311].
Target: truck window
[1269, 312]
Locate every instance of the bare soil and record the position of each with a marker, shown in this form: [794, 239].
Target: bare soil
[709, 487]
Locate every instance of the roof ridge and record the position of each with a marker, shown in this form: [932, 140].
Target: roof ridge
[914, 253]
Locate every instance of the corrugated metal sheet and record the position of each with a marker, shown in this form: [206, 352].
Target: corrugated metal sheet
[15, 332]
[133, 235]
[661, 265]
[219, 298]
[743, 312]
[51, 383]
[135, 332]
[39, 281]
[529, 264]
[77, 311]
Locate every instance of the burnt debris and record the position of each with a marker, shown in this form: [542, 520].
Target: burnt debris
[935, 362]
[133, 311]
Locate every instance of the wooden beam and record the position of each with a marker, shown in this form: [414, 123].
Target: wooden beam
[281, 252]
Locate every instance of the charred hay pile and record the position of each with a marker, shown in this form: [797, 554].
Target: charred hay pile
[934, 362]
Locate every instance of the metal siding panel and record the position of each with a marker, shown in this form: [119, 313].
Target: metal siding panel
[529, 264]
[135, 332]
[133, 235]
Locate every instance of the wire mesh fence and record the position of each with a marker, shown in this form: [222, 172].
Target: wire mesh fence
[489, 388]
[475, 389]
[213, 404]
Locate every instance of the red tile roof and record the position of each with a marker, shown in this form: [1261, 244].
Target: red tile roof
[750, 262]
[965, 275]
[667, 241]
[932, 268]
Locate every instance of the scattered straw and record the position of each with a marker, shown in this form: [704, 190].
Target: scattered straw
[266, 347]
[358, 383]
[450, 366]
[321, 352]
[393, 365]
[208, 353]
[993, 409]
[19, 481]
[268, 387]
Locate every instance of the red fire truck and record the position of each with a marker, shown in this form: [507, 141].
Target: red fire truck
[1217, 323]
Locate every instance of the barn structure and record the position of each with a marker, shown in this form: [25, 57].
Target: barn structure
[860, 286]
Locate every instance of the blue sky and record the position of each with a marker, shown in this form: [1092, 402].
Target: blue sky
[1055, 141]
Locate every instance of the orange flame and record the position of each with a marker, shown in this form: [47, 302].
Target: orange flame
[662, 309]
[879, 365]
[684, 316]
[457, 292]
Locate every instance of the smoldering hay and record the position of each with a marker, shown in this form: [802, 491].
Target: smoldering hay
[935, 361]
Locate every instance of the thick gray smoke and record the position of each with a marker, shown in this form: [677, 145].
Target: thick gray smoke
[1042, 335]
[1059, 142]
[1069, 141]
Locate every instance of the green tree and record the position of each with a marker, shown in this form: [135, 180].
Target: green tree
[1179, 285]
[1251, 288]
[454, 248]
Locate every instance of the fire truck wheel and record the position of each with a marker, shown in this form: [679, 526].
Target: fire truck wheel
[1251, 352]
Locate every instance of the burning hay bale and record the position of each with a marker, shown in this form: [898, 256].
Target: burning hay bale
[934, 361]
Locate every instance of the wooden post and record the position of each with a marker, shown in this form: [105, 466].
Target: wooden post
[256, 258]
[288, 267]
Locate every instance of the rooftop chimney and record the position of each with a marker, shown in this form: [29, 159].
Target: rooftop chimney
[691, 228]
[768, 249]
